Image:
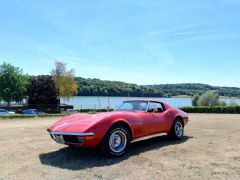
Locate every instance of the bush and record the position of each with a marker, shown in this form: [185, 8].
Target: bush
[209, 98]
[214, 109]
[195, 99]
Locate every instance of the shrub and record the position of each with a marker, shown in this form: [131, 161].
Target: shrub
[195, 99]
[214, 109]
[209, 98]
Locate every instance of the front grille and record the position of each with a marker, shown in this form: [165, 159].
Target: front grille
[73, 139]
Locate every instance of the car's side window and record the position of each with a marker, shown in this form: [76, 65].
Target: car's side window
[155, 107]
[159, 107]
[150, 107]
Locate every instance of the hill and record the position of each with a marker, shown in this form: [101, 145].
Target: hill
[97, 87]
[192, 88]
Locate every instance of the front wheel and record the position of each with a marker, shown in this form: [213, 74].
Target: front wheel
[177, 130]
[116, 141]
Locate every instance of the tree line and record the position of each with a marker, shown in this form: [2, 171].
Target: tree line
[190, 89]
[45, 89]
[97, 87]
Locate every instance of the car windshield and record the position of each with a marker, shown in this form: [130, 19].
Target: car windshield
[133, 105]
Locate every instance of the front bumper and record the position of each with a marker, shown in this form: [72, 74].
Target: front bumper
[71, 138]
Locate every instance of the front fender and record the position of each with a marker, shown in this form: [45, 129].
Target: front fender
[102, 127]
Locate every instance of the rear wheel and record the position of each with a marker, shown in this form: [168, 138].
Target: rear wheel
[177, 130]
[115, 143]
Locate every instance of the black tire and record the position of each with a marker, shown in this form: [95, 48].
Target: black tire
[174, 133]
[105, 146]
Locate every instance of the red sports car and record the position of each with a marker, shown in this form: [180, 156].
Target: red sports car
[113, 131]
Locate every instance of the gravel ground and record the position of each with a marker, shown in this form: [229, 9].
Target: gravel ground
[209, 150]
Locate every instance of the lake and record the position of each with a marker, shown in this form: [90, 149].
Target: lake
[80, 102]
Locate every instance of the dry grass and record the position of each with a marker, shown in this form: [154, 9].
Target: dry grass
[210, 150]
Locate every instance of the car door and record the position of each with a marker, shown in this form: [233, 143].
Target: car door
[145, 120]
[145, 125]
[159, 115]
[149, 124]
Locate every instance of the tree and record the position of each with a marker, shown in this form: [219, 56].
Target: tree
[209, 98]
[41, 91]
[195, 99]
[64, 80]
[13, 84]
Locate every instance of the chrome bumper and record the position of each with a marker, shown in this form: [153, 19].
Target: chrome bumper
[69, 138]
[71, 134]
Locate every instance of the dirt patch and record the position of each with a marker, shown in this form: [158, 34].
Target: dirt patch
[209, 150]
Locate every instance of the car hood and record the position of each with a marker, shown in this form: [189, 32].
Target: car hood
[80, 122]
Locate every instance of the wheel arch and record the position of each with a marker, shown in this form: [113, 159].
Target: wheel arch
[180, 118]
[124, 123]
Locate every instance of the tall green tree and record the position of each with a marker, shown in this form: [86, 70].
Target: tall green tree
[13, 84]
[64, 80]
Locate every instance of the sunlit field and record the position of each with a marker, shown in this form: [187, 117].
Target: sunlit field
[209, 150]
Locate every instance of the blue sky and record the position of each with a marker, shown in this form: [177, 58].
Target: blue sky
[137, 41]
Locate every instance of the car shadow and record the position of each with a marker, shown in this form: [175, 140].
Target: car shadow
[76, 159]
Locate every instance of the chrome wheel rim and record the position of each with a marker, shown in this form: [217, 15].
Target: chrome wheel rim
[117, 141]
[179, 129]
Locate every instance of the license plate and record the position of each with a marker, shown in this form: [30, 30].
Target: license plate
[59, 139]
